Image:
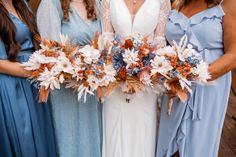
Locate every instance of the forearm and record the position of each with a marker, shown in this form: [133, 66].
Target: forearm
[13, 68]
[221, 66]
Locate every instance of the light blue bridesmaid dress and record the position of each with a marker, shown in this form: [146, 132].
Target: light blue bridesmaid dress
[194, 128]
[77, 124]
[26, 128]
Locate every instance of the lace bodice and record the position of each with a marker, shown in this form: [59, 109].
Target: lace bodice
[204, 29]
[149, 21]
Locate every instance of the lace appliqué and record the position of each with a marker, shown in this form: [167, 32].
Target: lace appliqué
[159, 35]
[107, 28]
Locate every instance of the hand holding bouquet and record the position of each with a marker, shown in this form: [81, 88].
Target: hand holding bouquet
[131, 60]
[51, 65]
[180, 65]
[133, 64]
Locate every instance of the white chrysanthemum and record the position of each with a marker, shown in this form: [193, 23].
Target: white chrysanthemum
[160, 65]
[130, 57]
[168, 50]
[202, 71]
[49, 79]
[109, 77]
[90, 54]
[36, 59]
[63, 64]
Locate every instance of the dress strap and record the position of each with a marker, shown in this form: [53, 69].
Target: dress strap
[220, 6]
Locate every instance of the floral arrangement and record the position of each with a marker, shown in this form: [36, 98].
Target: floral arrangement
[51, 65]
[93, 70]
[81, 68]
[131, 60]
[180, 65]
[134, 64]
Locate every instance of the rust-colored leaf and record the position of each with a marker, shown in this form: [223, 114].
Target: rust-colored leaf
[43, 94]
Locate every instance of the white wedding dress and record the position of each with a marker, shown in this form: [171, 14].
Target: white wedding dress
[130, 128]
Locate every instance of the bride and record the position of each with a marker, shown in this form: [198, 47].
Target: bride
[130, 128]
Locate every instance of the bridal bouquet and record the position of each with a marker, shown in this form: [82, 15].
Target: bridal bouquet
[180, 65]
[131, 60]
[51, 65]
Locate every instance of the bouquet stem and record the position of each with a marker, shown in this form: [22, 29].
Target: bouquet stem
[43, 94]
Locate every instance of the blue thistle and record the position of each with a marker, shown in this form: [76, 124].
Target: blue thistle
[117, 61]
[147, 60]
[174, 73]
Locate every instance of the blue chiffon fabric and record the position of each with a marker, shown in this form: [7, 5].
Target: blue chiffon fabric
[25, 125]
[194, 128]
[78, 125]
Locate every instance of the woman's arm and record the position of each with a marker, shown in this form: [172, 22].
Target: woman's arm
[159, 36]
[227, 62]
[10, 68]
[13, 68]
[107, 28]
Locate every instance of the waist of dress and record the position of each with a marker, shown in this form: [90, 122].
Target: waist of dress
[213, 51]
[24, 55]
[26, 51]
[210, 55]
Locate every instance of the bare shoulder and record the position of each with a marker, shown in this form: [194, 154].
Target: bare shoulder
[229, 24]
[229, 19]
[229, 7]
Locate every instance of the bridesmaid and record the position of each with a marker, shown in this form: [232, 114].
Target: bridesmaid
[78, 124]
[25, 125]
[194, 128]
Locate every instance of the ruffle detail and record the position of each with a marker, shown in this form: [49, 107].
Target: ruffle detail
[193, 109]
[179, 19]
[184, 22]
[215, 12]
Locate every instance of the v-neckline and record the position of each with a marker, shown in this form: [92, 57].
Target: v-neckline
[130, 15]
[86, 22]
[196, 14]
[17, 18]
